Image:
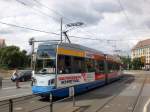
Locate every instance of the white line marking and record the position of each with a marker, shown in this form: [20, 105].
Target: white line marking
[146, 105]
[14, 87]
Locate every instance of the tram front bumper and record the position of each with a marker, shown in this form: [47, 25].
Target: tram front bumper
[42, 89]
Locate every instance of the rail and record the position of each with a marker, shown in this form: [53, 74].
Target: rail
[9, 103]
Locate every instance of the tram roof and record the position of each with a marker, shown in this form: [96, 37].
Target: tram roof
[73, 46]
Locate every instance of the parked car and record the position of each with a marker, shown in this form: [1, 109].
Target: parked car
[24, 75]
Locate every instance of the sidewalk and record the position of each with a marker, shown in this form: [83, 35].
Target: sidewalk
[11, 92]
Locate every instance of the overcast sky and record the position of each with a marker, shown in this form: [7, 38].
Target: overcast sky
[126, 21]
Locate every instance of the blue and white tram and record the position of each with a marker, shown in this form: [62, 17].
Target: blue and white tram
[59, 66]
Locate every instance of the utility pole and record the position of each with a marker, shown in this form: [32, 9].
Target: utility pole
[31, 42]
[61, 21]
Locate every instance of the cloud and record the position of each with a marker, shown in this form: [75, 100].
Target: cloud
[5, 31]
[103, 20]
[78, 11]
[106, 7]
[27, 3]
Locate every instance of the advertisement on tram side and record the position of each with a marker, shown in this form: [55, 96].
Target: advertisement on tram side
[66, 80]
[99, 76]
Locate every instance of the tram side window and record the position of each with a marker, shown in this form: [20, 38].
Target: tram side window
[117, 66]
[64, 64]
[101, 66]
[67, 64]
[90, 65]
[113, 67]
[110, 67]
[61, 64]
[78, 65]
[70, 64]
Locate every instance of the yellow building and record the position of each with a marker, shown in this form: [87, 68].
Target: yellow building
[142, 50]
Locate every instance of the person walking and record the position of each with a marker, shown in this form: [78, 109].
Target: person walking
[16, 77]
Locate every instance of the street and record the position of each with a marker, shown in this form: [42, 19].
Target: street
[129, 94]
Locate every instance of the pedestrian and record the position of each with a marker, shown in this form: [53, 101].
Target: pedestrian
[16, 76]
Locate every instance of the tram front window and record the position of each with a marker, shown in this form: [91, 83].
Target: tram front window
[46, 61]
[45, 67]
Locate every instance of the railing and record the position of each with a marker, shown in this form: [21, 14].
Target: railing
[1, 82]
[9, 105]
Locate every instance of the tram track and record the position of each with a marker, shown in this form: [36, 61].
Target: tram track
[139, 95]
[114, 96]
[136, 100]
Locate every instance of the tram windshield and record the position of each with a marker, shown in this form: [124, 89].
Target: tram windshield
[46, 60]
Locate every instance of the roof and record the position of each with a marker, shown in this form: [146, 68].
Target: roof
[142, 44]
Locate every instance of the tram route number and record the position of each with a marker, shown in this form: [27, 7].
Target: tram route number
[71, 91]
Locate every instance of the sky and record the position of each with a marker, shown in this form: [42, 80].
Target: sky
[112, 24]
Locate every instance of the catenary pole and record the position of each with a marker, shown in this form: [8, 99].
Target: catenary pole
[61, 22]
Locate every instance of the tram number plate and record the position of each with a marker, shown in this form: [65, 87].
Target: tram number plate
[71, 91]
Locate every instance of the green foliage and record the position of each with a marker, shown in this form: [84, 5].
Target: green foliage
[12, 57]
[126, 62]
[137, 63]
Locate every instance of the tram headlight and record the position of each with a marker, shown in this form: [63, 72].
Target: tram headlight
[51, 81]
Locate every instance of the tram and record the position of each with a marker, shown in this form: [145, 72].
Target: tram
[61, 65]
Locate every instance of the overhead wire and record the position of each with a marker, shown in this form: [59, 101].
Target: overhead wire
[126, 16]
[37, 30]
[108, 40]
[56, 12]
[53, 32]
[38, 11]
[23, 27]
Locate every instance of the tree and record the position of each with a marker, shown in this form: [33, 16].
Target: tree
[12, 57]
[137, 63]
[126, 61]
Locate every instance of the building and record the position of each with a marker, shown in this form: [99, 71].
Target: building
[2, 43]
[142, 50]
